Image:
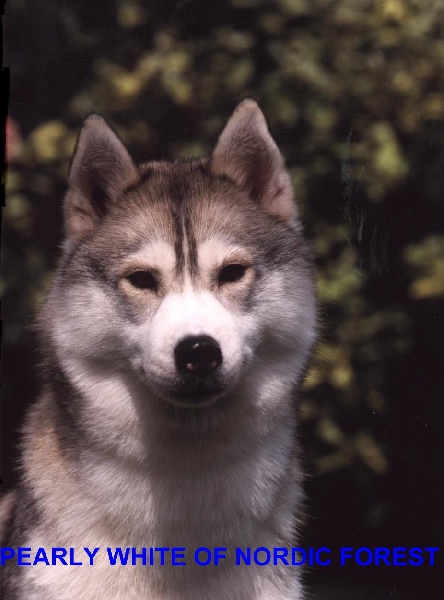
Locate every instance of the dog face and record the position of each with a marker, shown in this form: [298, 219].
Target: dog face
[189, 274]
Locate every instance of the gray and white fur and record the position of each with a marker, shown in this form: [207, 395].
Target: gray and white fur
[175, 337]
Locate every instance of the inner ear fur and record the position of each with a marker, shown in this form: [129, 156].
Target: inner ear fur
[247, 154]
[101, 168]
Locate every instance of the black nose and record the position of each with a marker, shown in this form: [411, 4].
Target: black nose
[198, 355]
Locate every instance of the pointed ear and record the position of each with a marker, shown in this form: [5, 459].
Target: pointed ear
[101, 168]
[248, 155]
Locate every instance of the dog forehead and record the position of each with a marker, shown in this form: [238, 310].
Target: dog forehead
[173, 202]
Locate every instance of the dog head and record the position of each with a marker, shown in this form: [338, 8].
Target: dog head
[191, 274]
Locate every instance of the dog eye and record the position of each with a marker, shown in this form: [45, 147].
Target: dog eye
[144, 280]
[231, 273]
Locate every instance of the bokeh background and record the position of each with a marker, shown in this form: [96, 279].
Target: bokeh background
[354, 94]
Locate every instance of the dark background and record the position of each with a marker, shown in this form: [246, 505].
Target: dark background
[354, 94]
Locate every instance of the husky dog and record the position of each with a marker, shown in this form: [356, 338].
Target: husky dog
[175, 336]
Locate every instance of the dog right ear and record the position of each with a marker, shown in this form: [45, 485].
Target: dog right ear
[101, 169]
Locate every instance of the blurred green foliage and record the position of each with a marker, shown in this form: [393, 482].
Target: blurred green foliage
[353, 92]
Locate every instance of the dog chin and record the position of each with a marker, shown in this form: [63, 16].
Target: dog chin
[192, 401]
[195, 396]
[192, 396]
[186, 391]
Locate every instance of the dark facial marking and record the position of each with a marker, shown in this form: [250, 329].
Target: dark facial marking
[180, 193]
[192, 245]
[97, 269]
[175, 192]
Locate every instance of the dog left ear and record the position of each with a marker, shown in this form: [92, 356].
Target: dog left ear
[100, 170]
[248, 155]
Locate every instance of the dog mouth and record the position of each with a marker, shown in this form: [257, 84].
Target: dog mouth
[190, 391]
[186, 389]
[196, 391]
